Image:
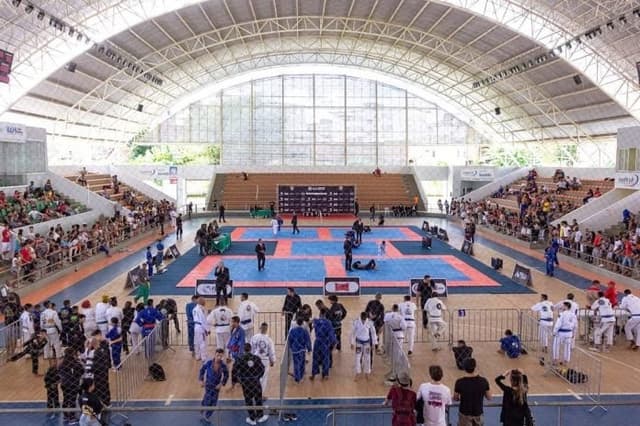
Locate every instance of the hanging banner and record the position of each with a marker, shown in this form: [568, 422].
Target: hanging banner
[476, 174]
[341, 286]
[11, 132]
[439, 287]
[207, 288]
[628, 180]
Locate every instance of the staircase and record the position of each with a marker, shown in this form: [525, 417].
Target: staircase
[411, 187]
[101, 184]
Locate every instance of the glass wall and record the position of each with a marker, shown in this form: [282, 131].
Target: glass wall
[330, 120]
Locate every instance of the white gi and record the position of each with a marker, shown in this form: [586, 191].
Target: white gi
[544, 309]
[220, 318]
[437, 325]
[559, 307]
[631, 303]
[101, 317]
[397, 324]
[607, 321]
[26, 326]
[200, 330]
[89, 321]
[262, 346]
[274, 226]
[114, 312]
[50, 322]
[364, 338]
[408, 310]
[247, 312]
[563, 335]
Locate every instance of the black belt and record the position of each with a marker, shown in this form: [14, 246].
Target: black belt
[247, 321]
[363, 342]
[396, 329]
[222, 325]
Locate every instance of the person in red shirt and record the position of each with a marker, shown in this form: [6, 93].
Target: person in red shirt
[611, 293]
[403, 401]
[5, 243]
[592, 292]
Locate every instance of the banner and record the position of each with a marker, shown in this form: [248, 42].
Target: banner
[207, 288]
[11, 132]
[6, 62]
[628, 180]
[522, 275]
[341, 286]
[133, 277]
[473, 174]
[440, 284]
[175, 253]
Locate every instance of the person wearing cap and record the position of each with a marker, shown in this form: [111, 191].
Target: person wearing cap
[262, 346]
[592, 292]
[101, 314]
[631, 303]
[403, 402]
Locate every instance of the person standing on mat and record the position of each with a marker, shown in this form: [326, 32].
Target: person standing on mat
[221, 211]
[337, 313]
[425, 291]
[348, 253]
[294, 223]
[222, 279]
[292, 304]
[261, 250]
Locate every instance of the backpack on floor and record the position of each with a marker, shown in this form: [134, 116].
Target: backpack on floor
[575, 377]
[157, 373]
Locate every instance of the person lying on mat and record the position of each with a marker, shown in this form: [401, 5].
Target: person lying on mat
[371, 265]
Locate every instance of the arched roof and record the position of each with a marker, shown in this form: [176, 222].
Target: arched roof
[443, 46]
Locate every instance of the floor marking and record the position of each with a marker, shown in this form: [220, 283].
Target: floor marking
[575, 395]
[168, 401]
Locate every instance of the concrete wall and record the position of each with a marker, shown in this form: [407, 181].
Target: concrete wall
[612, 214]
[596, 206]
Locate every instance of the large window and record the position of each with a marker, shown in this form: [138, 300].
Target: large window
[316, 120]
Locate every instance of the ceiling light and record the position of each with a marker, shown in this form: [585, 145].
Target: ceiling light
[16, 3]
[28, 9]
[41, 15]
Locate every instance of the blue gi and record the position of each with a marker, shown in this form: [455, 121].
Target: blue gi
[190, 324]
[325, 340]
[115, 333]
[299, 342]
[149, 263]
[212, 379]
[236, 342]
[159, 255]
[511, 346]
[146, 319]
[551, 260]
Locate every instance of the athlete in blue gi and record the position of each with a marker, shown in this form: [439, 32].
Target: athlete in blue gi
[190, 324]
[214, 374]
[551, 259]
[236, 338]
[299, 343]
[322, 345]
[115, 342]
[149, 257]
[147, 319]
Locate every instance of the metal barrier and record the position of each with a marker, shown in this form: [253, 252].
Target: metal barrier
[587, 321]
[482, 325]
[10, 341]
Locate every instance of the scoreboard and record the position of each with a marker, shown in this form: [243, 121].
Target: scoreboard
[309, 200]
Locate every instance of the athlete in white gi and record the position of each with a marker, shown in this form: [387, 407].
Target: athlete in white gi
[50, 323]
[408, 310]
[247, 312]
[544, 309]
[200, 330]
[396, 322]
[631, 303]
[363, 340]
[114, 311]
[437, 325]
[606, 324]
[101, 315]
[559, 307]
[220, 318]
[563, 333]
[26, 323]
[262, 346]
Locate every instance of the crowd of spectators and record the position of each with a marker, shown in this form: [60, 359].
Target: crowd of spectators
[34, 205]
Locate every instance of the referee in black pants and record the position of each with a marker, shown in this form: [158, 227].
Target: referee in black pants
[247, 370]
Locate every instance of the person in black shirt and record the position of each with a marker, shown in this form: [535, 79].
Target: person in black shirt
[461, 353]
[375, 310]
[71, 370]
[470, 390]
[77, 334]
[425, 292]
[91, 404]
[201, 240]
[101, 366]
[515, 409]
[247, 370]
[179, 227]
[337, 313]
[294, 223]
[260, 253]
[65, 319]
[222, 280]
[51, 380]
[221, 210]
[356, 207]
[292, 303]
[348, 253]
[358, 227]
[128, 315]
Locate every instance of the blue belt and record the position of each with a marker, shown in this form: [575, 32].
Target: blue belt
[102, 322]
[222, 325]
[564, 330]
[546, 319]
[396, 329]
[409, 319]
[362, 342]
[606, 316]
[196, 322]
[247, 321]
[635, 315]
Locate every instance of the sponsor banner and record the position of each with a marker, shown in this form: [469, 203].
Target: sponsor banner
[522, 275]
[629, 180]
[341, 286]
[476, 174]
[439, 283]
[207, 288]
[11, 132]
[175, 253]
[158, 172]
[133, 277]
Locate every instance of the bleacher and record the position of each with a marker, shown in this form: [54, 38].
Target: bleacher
[261, 189]
[102, 183]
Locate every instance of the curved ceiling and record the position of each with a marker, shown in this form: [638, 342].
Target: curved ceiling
[443, 46]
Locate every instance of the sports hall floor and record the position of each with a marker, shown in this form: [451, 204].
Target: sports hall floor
[473, 285]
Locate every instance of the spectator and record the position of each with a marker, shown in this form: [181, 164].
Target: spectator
[611, 293]
[436, 397]
[515, 409]
[403, 401]
[470, 391]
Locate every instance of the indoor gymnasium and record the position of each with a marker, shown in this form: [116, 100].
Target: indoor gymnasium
[319, 212]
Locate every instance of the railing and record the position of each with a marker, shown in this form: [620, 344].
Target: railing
[10, 341]
[587, 256]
